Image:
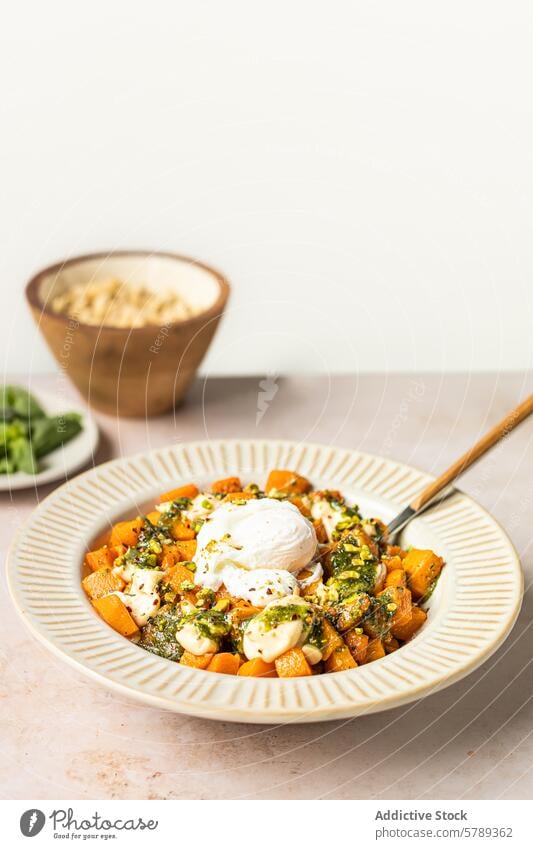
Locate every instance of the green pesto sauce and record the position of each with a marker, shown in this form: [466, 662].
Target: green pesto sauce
[150, 544]
[349, 555]
[236, 633]
[279, 613]
[159, 634]
[379, 616]
[154, 536]
[213, 624]
[349, 611]
[175, 510]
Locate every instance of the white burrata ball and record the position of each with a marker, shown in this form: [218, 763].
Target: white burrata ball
[263, 534]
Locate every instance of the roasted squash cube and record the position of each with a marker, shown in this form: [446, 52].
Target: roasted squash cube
[409, 628]
[375, 650]
[357, 644]
[284, 480]
[258, 668]
[126, 533]
[114, 612]
[101, 583]
[103, 558]
[225, 662]
[226, 485]
[423, 567]
[187, 491]
[292, 664]
[339, 660]
[201, 661]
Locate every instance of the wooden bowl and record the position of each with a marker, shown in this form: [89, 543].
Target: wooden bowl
[142, 371]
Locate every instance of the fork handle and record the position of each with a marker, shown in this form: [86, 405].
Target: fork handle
[497, 433]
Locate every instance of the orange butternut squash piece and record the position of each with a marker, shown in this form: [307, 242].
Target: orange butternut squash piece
[126, 533]
[176, 575]
[305, 573]
[187, 491]
[339, 660]
[292, 664]
[358, 644]
[396, 551]
[242, 609]
[390, 644]
[285, 480]
[393, 564]
[187, 548]
[166, 561]
[225, 662]
[239, 496]
[258, 668]
[114, 612]
[153, 517]
[396, 578]
[301, 505]
[197, 661]
[102, 582]
[406, 631]
[320, 531]
[375, 650]
[103, 558]
[227, 485]
[422, 567]
[171, 551]
[400, 597]
[182, 530]
[183, 549]
[311, 589]
[332, 639]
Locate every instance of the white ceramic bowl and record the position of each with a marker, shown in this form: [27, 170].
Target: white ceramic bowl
[471, 612]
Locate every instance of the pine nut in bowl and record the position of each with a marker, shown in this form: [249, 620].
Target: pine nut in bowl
[129, 328]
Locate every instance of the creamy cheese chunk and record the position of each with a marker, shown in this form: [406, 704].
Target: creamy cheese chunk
[254, 549]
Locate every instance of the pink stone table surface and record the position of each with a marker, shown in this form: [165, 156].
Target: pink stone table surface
[63, 736]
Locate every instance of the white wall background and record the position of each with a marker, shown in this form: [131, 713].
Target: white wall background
[362, 171]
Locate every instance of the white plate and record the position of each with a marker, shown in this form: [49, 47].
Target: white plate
[471, 612]
[66, 459]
